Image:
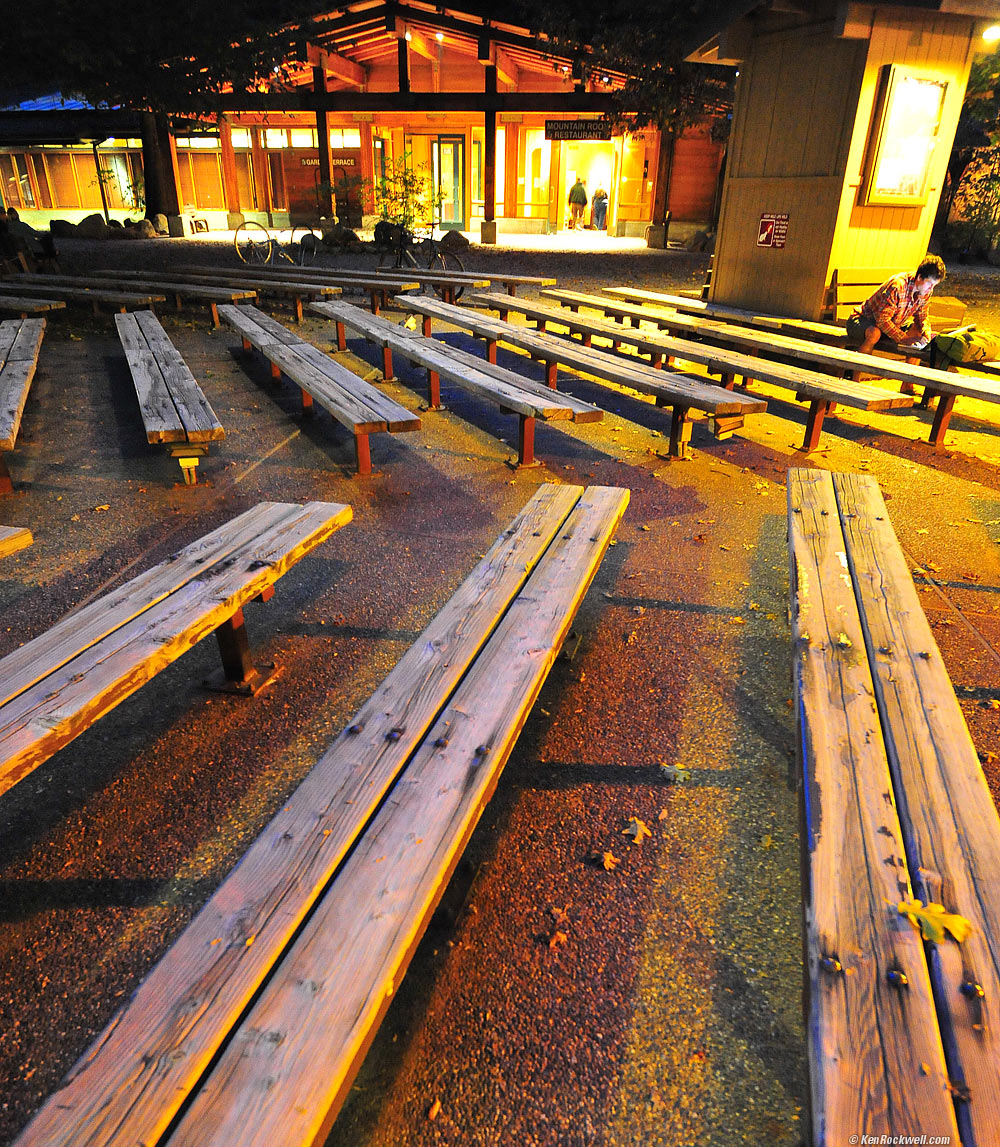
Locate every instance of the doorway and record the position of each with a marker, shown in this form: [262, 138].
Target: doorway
[448, 161]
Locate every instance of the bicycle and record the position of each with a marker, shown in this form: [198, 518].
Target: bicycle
[256, 245]
[399, 248]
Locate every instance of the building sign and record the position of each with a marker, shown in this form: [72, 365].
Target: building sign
[577, 129]
[335, 161]
[772, 230]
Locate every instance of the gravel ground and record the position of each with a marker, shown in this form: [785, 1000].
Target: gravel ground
[672, 1013]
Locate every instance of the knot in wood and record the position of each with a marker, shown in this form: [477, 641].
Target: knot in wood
[831, 964]
[897, 978]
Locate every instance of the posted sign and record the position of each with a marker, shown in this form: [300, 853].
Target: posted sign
[577, 129]
[772, 230]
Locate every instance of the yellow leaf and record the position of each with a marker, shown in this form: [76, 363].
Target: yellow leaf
[933, 921]
[636, 829]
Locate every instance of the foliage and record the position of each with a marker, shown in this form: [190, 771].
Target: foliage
[933, 921]
[146, 54]
[405, 195]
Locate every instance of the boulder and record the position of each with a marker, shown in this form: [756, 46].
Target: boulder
[697, 241]
[159, 222]
[144, 229]
[114, 223]
[454, 240]
[62, 229]
[93, 227]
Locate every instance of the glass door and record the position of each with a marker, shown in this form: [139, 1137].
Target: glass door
[449, 179]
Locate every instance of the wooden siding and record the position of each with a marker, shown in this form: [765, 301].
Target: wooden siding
[803, 111]
[694, 175]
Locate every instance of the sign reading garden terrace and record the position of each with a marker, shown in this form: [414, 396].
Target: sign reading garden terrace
[577, 129]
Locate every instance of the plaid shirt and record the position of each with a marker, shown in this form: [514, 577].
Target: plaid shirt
[895, 305]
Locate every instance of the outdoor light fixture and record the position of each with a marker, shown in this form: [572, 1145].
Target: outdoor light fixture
[439, 36]
[408, 34]
[992, 34]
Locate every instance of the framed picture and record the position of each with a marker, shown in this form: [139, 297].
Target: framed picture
[904, 133]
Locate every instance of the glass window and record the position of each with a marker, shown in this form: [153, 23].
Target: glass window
[336, 138]
[274, 137]
[303, 137]
[352, 137]
[241, 137]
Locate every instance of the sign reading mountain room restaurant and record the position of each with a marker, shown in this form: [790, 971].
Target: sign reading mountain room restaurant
[577, 129]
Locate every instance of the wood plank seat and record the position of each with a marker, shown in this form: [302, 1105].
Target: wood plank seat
[181, 291]
[818, 332]
[14, 538]
[528, 399]
[836, 360]
[68, 293]
[902, 1034]
[285, 286]
[20, 343]
[25, 307]
[822, 392]
[174, 410]
[251, 1027]
[59, 684]
[354, 403]
[680, 392]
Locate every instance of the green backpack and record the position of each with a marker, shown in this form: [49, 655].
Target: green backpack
[968, 345]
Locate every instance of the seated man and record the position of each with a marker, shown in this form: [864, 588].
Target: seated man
[38, 244]
[895, 317]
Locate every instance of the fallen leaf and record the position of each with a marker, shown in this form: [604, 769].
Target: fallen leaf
[636, 829]
[674, 773]
[737, 621]
[560, 917]
[607, 860]
[645, 529]
[933, 921]
[101, 509]
[768, 841]
[434, 1111]
[558, 940]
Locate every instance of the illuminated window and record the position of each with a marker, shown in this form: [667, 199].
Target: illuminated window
[275, 138]
[303, 137]
[241, 137]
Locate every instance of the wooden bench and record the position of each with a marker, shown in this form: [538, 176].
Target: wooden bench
[851, 286]
[838, 360]
[25, 307]
[680, 392]
[175, 412]
[902, 1034]
[822, 392]
[120, 300]
[181, 291]
[528, 399]
[354, 403]
[14, 538]
[283, 286]
[20, 342]
[250, 1028]
[59, 684]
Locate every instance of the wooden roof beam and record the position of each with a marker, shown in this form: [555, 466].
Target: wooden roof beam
[336, 65]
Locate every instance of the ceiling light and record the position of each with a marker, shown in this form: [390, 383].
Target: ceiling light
[409, 34]
[439, 36]
[992, 34]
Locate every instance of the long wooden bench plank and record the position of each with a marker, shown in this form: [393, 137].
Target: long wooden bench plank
[141, 1069]
[14, 538]
[345, 407]
[69, 697]
[335, 983]
[122, 299]
[160, 417]
[24, 307]
[950, 824]
[876, 1060]
[258, 326]
[82, 628]
[197, 416]
[19, 350]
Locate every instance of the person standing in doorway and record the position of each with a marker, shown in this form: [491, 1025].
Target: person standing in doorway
[577, 203]
[600, 204]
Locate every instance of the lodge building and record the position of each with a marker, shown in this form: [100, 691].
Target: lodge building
[503, 121]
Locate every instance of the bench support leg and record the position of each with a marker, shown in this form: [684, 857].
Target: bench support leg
[239, 674]
[362, 453]
[657, 362]
[586, 339]
[387, 375]
[247, 346]
[214, 311]
[427, 328]
[307, 403]
[275, 371]
[434, 390]
[6, 485]
[942, 416]
[680, 432]
[728, 380]
[551, 372]
[818, 410]
[503, 315]
[341, 336]
[491, 351]
[526, 441]
[297, 308]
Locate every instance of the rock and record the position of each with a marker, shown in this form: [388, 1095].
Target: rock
[697, 241]
[62, 229]
[93, 227]
[453, 240]
[114, 223]
[144, 229]
[159, 221]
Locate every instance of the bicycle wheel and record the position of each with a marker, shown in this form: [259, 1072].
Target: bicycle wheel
[447, 261]
[253, 243]
[305, 243]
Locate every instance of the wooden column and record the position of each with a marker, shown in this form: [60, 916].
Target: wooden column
[230, 184]
[403, 59]
[489, 230]
[511, 153]
[367, 168]
[324, 191]
[158, 168]
[661, 191]
[261, 176]
[555, 190]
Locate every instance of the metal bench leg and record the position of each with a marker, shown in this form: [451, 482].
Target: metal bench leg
[341, 336]
[491, 351]
[362, 453]
[297, 308]
[434, 390]
[6, 485]
[728, 380]
[818, 409]
[503, 315]
[927, 397]
[387, 375]
[247, 346]
[942, 416]
[586, 339]
[214, 309]
[680, 432]
[427, 329]
[512, 288]
[239, 674]
[551, 371]
[541, 327]
[526, 441]
[657, 362]
[275, 371]
[307, 403]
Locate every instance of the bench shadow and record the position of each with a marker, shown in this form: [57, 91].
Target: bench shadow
[129, 437]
